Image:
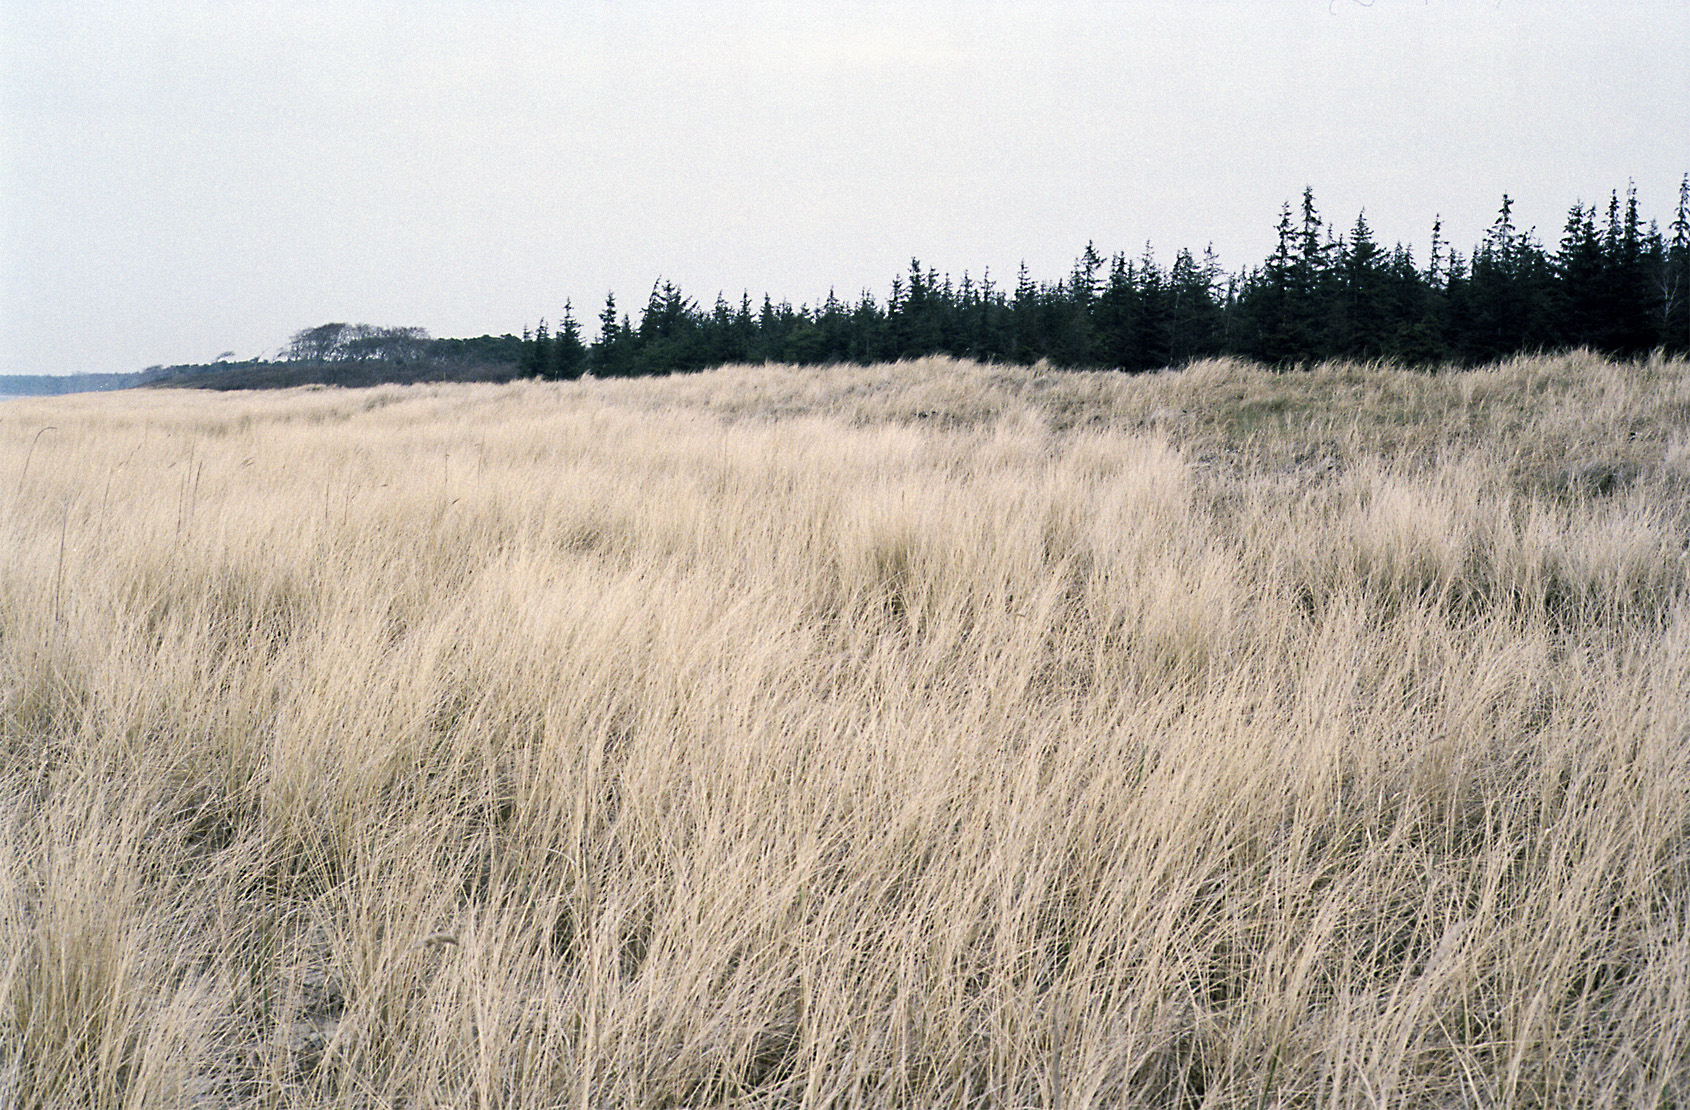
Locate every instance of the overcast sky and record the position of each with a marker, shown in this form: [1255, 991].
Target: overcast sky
[181, 178]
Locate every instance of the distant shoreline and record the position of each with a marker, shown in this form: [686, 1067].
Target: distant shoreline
[13, 386]
[266, 375]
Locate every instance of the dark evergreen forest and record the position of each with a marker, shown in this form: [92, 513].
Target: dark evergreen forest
[1612, 283]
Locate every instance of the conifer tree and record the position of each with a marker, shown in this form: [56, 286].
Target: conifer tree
[1029, 345]
[1193, 316]
[536, 351]
[1117, 304]
[1416, 321]
[1361, 307]
[1075, 334]
[1579, 265]
[569, 354]
[1675, 291]
[610, 356]
[1083, 282]
[1507, 293]
[1152, 318]
[1310, 301]
[1635, 288]
[1268, 297]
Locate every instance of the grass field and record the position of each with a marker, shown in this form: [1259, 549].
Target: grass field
[926, 735]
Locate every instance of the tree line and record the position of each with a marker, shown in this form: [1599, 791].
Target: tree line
[1612, 283]
[357, 343]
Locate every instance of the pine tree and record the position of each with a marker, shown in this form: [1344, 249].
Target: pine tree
[610, 356]
[1075, 332]
[1153, 326]
[1675, 298]
[744, 329]
[1117, 305]
[536, 351]
[1083, 282]
[1635, 289]
[607, 321]
[1267, 300]
[916, 319]
[1026, 326]
[1361, 307]
[1193, 315]
[1310, 304]
[1508, 294]
[569, 354]
[1579, 265]
[1414, 319]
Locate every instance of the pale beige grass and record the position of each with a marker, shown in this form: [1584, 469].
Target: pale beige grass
[917, 735]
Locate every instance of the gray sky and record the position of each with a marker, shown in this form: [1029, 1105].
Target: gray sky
[182, 178]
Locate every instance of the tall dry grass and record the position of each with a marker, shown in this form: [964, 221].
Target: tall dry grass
[919, 735]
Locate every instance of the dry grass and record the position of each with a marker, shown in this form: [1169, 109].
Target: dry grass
[924, 735]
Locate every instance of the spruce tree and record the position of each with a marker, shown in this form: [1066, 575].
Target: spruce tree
[569, 354]
[1635, 288]
[1416, 335]
[1075, 333]
[542, 349]
[536, 351]
[1153, 321]
[1193, 315]
[1310, 304]
[1361, 308]
[744, 329]
[1267, 300]
[1579, 265]
[1675, 298]
[1508, 293]
[1117, 305]
[610, 356]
